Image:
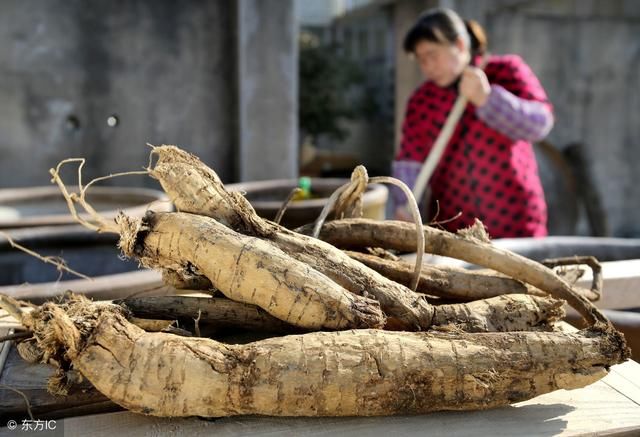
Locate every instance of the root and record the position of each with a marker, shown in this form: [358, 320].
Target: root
[415, 213]
[596, 269]
[298, 280]
[196, 188]
[204, 192]
[246, 269]
[305, 375]
[349, 198]
[508, 313]
[296, 191]
[447, 282]
[96, 222]
[397, 235]
[346, 199]
[186, 179]
[54, 260]
[220, 313]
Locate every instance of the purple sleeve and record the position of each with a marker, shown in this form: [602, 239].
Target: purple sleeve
[407, 172]
[517, 118]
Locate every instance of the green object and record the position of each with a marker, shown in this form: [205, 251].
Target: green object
[304, 183]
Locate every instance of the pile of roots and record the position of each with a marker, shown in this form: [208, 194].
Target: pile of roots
[334, 322]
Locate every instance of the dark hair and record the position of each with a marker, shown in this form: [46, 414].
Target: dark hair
[444, 26]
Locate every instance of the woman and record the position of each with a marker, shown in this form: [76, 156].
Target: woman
[488, 170]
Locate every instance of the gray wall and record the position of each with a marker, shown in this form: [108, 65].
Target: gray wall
[167, 69]
[268, 99]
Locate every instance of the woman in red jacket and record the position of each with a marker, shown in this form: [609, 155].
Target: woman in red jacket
[488, 170]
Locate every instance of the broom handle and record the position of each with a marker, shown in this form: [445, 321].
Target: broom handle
[441, 142]
[438, 148]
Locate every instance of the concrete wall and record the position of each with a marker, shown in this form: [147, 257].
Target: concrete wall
[267, 90]
[167, 70]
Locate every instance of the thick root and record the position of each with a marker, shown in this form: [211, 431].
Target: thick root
[407, 309]
[348, 373]
[185, 178]
[246, 269]
[195, 188]
[219, 313]
[447, 282]
[513, 312]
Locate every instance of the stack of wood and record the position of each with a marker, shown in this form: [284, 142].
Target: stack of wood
[293, 325]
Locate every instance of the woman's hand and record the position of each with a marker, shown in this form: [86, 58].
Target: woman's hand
[474, 85]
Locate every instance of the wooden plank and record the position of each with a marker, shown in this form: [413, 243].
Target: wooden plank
[625, 380]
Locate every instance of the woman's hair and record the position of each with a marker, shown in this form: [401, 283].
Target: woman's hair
[444, 26]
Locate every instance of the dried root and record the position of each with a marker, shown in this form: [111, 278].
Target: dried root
[246, 269]
[350, 373]
[447, 282]
[195, 188]
[397, 235]
[219, 313]
[273, 276]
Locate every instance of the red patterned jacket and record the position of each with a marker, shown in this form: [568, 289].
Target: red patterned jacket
[488, 169]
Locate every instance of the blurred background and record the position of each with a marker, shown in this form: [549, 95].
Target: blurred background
[271, 89]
